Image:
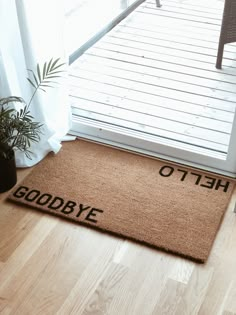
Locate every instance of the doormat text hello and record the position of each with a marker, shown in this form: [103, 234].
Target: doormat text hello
[196, 178]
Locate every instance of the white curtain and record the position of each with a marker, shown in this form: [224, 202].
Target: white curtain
[31, 32]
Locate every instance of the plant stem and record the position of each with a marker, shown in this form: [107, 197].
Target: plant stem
[31, 99]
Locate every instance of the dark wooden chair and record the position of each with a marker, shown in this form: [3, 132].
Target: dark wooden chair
[228, 29]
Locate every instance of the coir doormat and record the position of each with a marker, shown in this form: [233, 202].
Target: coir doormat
[160, 204]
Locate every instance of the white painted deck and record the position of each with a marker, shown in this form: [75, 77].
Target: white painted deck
[155, 73]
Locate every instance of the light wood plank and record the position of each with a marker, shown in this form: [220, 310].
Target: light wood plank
[161, 90]
[161, 42]
[103, 66]
[97, 72]
[163, 112]
[150, 103]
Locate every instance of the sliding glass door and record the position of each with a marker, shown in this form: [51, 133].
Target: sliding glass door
[150, 85]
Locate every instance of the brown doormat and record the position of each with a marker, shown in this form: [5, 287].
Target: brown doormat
[161, 204]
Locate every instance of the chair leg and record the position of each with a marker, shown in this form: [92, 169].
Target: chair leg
[220, 56]
[158, 3]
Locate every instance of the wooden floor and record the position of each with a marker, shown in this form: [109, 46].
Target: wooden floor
[155, 73]
[50, 266]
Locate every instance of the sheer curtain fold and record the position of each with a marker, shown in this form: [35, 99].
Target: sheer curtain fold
[32, 32]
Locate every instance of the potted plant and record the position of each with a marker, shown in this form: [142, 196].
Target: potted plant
[18, 129]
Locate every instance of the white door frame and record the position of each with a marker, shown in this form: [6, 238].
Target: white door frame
[158, 147]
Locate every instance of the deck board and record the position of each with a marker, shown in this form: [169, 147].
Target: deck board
[149, 75]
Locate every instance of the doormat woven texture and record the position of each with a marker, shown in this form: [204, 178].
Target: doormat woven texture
[161, 204]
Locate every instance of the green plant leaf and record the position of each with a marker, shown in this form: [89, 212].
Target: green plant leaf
[49, 65]
[31, 83]
[42, 90]
[11, 99]
[34, 76]
[54, 64]
[46, 85]
[35, 79]
[18, 129]
[55, 72]
[44, 70]
[52, 77]
[48, 81]
[58, 66]
[39, 74]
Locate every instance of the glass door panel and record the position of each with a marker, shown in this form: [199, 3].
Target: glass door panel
[150, 85]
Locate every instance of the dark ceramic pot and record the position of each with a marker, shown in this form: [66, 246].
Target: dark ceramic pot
[8, 176]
